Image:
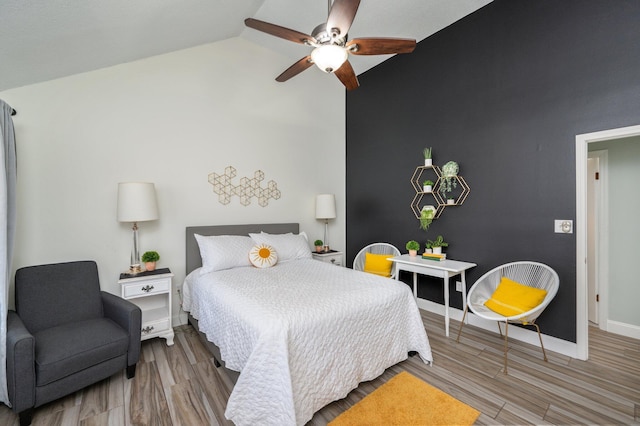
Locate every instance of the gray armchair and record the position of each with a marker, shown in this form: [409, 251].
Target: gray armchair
[66, 334]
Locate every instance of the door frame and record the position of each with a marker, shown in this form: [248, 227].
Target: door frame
[602, 238]
[582, 152]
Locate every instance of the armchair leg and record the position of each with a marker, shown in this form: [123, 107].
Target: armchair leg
[131, 371]
[464, 315]
[26, 416]
[506, 344]
[544, 354]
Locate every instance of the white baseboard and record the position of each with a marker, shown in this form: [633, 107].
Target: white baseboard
[628, 330]
[551, 343]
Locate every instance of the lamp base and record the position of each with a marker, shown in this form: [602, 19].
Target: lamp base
[134, 269]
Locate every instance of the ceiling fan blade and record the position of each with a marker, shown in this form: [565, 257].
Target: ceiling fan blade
[295, 69]
[380, 46]
[347, 76]
[341, 17]
[278, 31]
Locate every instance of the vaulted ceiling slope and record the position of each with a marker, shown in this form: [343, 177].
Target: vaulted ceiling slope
[50, 39]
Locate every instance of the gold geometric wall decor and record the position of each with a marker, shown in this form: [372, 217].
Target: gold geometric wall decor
[247, 189]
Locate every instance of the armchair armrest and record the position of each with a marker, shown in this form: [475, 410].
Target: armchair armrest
[128, 316]
[21, 366]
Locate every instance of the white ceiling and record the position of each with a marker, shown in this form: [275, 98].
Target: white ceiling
[43, 40]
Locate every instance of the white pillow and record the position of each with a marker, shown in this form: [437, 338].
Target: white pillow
[288, 246]
[220, 252]
[263, 256]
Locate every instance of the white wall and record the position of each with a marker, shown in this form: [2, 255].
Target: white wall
[624, 228]
[172, 120]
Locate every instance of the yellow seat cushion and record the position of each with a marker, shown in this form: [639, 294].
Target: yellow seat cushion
[512, 298]
[378, 264]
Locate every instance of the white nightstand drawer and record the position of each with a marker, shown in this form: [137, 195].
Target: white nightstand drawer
[151, 328]
[146, 288]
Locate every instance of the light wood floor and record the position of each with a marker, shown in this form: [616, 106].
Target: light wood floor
[179, 385]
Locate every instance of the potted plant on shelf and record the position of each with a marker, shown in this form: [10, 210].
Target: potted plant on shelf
[427, 214]
[427, 186]
[413, 247]
[319, 246]
[150, 258]
[437, 244]
[450, 200]
[428, 162]
[449, 178]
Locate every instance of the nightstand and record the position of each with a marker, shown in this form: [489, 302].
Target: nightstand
[333, 257]
[151, 291]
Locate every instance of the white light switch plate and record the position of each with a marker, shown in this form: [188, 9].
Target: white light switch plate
[562, 226]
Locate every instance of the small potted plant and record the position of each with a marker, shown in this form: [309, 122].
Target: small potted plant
[427, 186]
[319, 246]
[150, 258]
[413, 247]
[428, 162]
[449, 178]
[450, 200]
[426, 217]
[427, 247]
[437, 244]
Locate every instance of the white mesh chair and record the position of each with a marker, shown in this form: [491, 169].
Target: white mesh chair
[376, 248]
[532, 274]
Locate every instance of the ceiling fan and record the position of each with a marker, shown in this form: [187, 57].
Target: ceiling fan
[331, 48]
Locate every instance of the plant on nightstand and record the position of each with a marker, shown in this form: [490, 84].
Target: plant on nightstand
[413, 247]
[150, 258]
[318, 244]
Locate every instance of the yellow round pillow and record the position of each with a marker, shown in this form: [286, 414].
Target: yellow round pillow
[263, 256]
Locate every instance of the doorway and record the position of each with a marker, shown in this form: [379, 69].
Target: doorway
[581, 228]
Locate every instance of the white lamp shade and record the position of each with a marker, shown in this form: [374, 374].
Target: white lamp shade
[329, 57]
[137, 202]
[325, 206]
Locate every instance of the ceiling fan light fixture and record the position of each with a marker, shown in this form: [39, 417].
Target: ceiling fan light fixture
[329, 57]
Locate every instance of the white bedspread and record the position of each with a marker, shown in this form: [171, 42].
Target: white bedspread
[302, 333]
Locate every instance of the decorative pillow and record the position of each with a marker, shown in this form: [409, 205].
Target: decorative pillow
[263, 256]
[220, 252]
[378, 264]
[288, 246]
[512, 298]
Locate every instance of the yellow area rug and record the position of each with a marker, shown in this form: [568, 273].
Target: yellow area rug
[406, 400]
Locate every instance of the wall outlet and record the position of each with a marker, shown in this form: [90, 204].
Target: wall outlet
[459, 286]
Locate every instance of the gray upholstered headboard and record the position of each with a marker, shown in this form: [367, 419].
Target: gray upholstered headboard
[194, 260]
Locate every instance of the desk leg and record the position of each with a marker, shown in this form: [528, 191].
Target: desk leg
[464, 294]
[415, 285]
[446, 304]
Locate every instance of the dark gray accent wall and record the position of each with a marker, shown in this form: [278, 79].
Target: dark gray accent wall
[503, 92]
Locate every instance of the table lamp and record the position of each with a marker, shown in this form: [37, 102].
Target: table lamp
[326, 209]
[136, 203]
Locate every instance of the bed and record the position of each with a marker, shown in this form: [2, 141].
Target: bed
[297, 335]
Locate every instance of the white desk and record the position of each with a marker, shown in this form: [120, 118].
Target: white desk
[444, 269]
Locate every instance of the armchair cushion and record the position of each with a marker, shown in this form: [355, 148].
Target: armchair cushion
[69, 348]
[378, 264]
[512, 298]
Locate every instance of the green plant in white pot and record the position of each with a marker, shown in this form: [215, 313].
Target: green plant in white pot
[427, 214]
[428, 162]
[449, 178]
[437, 244]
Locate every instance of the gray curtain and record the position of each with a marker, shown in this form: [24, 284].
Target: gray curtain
[7, 230]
